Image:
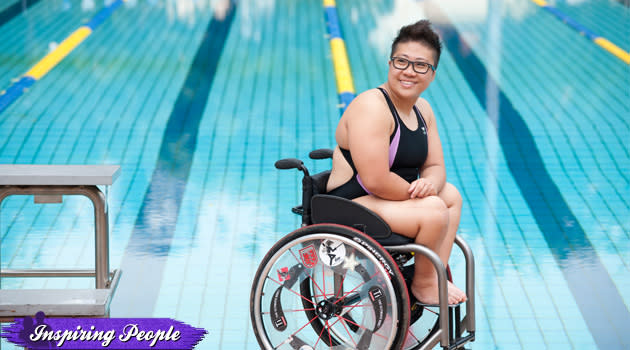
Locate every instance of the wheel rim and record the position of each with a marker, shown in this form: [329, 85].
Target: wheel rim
[300, 308]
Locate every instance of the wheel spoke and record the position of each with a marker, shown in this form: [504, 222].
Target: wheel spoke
[349, 335]
[285, 311]
[324, 278]
[362, 327]
[317, 286]
[329, 336]
[355, 288]
[292, 291]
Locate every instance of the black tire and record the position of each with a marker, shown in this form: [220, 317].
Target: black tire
[329, 286]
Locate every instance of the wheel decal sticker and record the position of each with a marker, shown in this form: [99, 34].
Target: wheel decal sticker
[309, 256]
[276, 313]
[379, 303]
[350, 263]
[366, 339]
[332, 252]
[298, 344]
[292, 275]
[283, 274]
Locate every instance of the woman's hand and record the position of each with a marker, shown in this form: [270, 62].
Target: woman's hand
[421, 188]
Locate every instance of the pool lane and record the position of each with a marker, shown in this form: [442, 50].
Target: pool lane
[586, 276]
[149, 244]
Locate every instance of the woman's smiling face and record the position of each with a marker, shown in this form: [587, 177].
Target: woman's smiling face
[407, 82]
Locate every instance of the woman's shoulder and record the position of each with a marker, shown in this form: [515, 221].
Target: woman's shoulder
[368, 101]
[368, 107]
[425, 110]
[370, 96]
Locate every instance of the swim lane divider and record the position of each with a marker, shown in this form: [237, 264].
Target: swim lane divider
[54, 57]
[343, 75]
[603, 42]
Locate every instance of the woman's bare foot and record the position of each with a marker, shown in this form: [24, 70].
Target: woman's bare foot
[427, 294]
[456, 292]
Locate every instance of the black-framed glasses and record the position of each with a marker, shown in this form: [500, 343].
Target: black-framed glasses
[418, 66]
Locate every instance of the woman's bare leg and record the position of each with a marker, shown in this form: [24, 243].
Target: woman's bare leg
[453, 200]
[426, 221]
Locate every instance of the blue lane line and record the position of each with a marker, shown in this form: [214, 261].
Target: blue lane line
[18, 7]
[15, 91]
[103, 14]
[595, 293]
[149, 244]
[332, 20]
[571, 22]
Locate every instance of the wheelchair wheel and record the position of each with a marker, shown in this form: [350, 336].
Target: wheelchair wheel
[329, 287]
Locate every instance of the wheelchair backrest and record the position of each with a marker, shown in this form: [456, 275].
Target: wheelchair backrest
[312, 185]
[338, 210]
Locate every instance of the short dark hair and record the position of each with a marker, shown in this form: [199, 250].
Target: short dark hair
[422, 32]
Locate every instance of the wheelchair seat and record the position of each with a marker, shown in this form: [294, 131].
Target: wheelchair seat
[332, 209]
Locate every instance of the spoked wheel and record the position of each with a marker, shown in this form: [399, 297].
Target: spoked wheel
[329, 287]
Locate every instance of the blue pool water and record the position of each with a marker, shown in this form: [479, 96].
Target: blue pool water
[197, 99]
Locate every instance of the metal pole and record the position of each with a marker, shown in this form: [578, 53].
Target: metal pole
[101, 222]
[101, 236]
[470, 283]
[442, 286]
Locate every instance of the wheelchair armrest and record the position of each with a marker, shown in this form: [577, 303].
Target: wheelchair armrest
[337, 210]
[322, 153]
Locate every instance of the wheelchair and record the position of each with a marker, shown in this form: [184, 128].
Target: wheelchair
[340, 281]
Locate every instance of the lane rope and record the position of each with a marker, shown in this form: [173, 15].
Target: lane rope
[600, 41]
[41, 68]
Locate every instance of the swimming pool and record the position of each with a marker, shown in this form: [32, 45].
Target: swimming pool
[197, 99]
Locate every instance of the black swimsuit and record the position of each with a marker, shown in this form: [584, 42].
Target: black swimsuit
[407, 153]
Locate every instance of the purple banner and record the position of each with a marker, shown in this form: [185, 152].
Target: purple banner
[102, 333]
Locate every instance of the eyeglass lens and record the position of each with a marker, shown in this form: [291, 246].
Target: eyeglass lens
[403, 63]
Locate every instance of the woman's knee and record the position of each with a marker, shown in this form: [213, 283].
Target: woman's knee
[434, 203]
[451, 196]
[435, 212]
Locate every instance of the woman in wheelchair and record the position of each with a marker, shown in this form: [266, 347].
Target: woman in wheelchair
[340, 281]
[389, 157]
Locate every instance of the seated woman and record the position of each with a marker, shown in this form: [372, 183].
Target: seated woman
[389, 157]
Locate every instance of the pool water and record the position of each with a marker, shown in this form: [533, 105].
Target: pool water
[196, 100]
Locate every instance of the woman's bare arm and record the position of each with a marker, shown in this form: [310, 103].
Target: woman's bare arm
[369, 126]
[433, 173]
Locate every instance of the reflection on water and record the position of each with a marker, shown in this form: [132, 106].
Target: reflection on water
[188, 11]
[250, 13]
[388, 24]
[461, 12]
[236, 221]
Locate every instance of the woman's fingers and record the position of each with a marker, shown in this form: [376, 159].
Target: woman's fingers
[421, 188]
[417, 189]
[412, 187]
